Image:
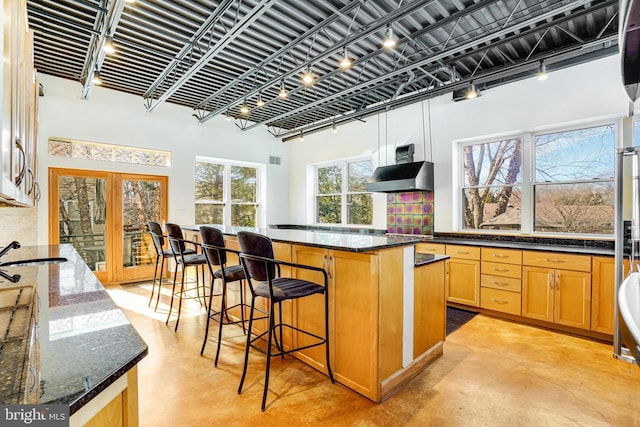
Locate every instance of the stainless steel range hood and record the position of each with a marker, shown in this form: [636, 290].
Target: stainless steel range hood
[403, 176]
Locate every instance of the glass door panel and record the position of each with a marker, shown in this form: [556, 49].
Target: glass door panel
[141, 202]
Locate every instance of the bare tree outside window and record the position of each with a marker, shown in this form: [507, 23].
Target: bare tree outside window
[341, 193]
[491, 198]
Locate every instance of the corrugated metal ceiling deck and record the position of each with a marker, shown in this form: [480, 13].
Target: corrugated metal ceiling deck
[213, 56]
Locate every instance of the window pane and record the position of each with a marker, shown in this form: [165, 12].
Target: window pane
[330, 180]
[575, 208]
[243, 215]
[141, 202]
[243, 184]
[636, 133]
[492, 163]
[495, 208]
[575, 155]
[360, 209]
[209, 182]
[359, 174]
[329, 209]
[208, 214]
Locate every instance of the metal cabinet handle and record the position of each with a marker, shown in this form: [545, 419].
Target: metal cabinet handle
[502, 270]
[500, 256]
[559, 261]
[500, 283]
[550, 280]
[499, 301]
[557, 281]
[23, 167]
[330, 267]
[463, 252]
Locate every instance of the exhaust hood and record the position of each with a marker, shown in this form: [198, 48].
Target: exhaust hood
[404, 175]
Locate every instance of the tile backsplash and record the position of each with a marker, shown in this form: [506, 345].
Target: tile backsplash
[410, 212]
[19, 224]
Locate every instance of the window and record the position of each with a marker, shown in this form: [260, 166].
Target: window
[226, 193]
[341, 193]
[570, 188]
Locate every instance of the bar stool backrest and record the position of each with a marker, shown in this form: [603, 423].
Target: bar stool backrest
[257, 245]
[156, 234]
[212, 236]
[176, 239]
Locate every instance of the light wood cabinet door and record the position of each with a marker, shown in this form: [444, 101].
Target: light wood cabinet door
[429, 307]
[572, 305]
[602, 293]
[430, 248]
[537, 293]
[463, 281]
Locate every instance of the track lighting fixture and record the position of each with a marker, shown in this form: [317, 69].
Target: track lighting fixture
[108, 46]
[542, 71]
[345, 61]
[96, 78]
[472, 92]
[307, 77]
[259, 101]
[244, 108]
[283, 93]
[389, 40]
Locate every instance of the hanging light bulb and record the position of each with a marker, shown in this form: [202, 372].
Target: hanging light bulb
[389, 39]
[334, 129]
[542, 71]
[259, 101]
[345, 61]
[108, 46]
[129, 1]
[472, 92]
[283, 93]
[308, 77]
[96, 78]
[301, 138]
[244, 108]
[227, 116]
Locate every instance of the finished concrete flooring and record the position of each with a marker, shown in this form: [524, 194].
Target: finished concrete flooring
[492, 373]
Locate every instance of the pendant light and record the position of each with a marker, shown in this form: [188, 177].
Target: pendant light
[283, 93]
[389, 40]
[334, 129]
[96, 78]
[345, 61]
[307, 77]
[108, 46]
[259, 101]
[472, 92]
[244, 108]
[542, 71]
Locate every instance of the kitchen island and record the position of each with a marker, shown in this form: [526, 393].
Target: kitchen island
[386, 316]
[71, 344]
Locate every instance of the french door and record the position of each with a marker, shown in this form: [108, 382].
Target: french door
[104, 216]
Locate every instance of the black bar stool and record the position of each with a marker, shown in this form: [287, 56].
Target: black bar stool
[185, 257]
[162, 254]
[260, 268]
[215, 252]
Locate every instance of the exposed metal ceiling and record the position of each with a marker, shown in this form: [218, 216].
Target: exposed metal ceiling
[214, 56]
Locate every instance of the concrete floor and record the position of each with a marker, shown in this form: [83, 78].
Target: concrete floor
[493, 373]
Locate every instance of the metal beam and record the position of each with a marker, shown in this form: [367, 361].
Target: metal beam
[234, 32]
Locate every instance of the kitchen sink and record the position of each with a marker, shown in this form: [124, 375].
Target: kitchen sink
[33, 261]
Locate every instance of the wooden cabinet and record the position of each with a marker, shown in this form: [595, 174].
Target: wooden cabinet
[18, 107]
[557, 295]
[501, 283]
[431, 248]
[429, 307]
[463, 275]
[602, 293]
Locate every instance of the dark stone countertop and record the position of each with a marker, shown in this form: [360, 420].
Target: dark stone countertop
[85, 341]
[425, 259]
[352, 242]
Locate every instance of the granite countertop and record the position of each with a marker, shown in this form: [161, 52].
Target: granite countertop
[425, 259]
[352, 242]
[85, 342]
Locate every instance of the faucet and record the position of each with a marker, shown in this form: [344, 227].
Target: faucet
[13, 245]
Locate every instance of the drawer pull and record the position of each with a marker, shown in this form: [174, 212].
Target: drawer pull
[500, 283]
[463, 252]
[554, 260]
[501, 270]
[499, 301]
[500, 256]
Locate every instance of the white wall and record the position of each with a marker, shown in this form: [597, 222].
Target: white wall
[118, 118]
[578, 94]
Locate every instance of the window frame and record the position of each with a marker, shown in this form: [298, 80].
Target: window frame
[528, 179]
[227, 203]
[344, 191]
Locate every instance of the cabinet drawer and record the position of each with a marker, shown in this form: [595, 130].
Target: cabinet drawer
[498, 269]
[430, 248]
[502, 283]
[509, 256]
[554, 260]
[504, 301]
[465, 252]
